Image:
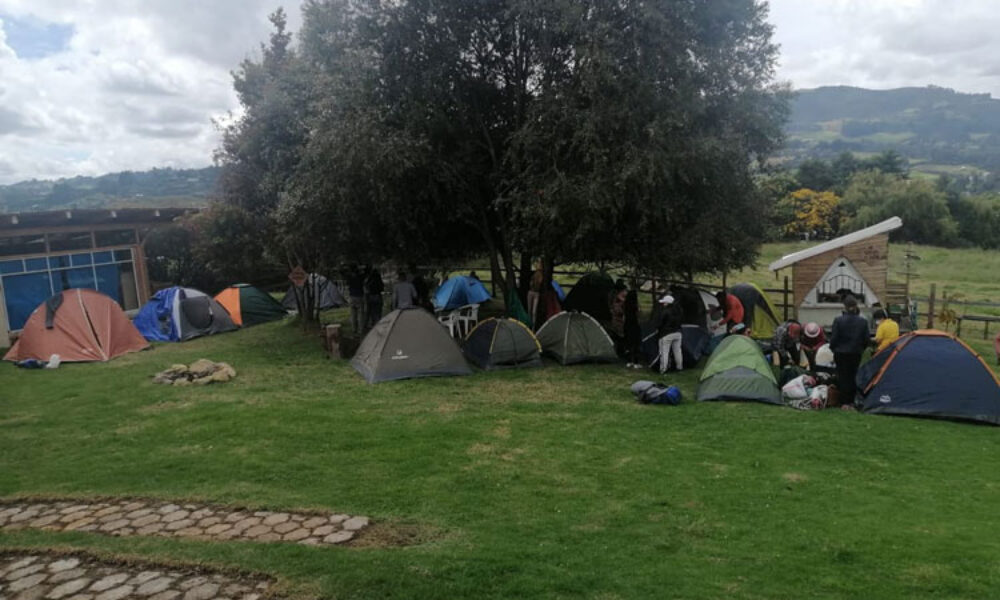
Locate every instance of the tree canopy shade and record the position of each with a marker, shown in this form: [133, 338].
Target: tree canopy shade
[568, 130]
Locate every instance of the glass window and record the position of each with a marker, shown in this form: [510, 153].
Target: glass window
[67, 279]
[101, 258]
[82, 259]
[22, 294]
[22, 244]
[108, 281]
[121, 255]
[11, 266]
[117, 237]
[36, 264]
[80, 240]
[58, 262]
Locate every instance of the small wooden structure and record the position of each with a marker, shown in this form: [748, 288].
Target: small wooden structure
[856, 263]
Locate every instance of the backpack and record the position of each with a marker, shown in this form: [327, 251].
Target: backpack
[648, 392]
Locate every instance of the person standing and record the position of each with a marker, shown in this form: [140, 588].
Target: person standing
[669, 330]
[813, 338]
[373, 296]
[535, 287]
[618, 316]
[404, 295]
[356, 294]
[886, 330]
[848, 341]
[633, 332]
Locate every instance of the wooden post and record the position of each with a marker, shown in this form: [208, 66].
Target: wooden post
[785, 294]
[930, 307]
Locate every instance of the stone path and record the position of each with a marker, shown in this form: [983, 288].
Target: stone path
[25, 576]
[144, 517]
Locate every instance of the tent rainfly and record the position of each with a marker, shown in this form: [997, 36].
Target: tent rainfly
[405, 344]
[576, 337]
[737, 370]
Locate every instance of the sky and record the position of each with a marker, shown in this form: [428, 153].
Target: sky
[96, 86]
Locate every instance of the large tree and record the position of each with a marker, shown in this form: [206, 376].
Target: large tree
[581, 130]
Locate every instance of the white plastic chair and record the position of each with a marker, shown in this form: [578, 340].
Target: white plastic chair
[468, 316]
[449, 319]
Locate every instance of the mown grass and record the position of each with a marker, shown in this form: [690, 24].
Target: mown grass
[543, 483]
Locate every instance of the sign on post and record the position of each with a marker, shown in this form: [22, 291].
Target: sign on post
[298, 276]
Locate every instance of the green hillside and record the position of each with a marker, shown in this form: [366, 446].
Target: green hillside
[937, 129]
[155, 188]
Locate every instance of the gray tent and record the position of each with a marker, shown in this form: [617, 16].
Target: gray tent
[575, 337]
[408, 343]
[327, 294]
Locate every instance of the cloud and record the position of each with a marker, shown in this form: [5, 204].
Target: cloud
[119, 84]
[889, 43]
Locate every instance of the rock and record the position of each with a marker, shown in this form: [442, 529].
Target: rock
[202, 380]
[64, 565]
[220, 376]
[355, 523]
[181, 382]
[70, 587]
[202, 367]
[338, 537]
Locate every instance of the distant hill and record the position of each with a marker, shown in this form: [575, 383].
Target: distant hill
[939, 130]
[157, 188]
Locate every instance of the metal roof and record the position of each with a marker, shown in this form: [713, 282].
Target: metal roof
[844, 240]
[13, 222]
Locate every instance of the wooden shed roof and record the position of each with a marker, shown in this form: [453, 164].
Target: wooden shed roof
[884, 227]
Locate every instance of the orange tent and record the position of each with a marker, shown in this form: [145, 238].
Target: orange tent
[86, 326]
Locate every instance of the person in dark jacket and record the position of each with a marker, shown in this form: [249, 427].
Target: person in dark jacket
[633, 333]
[669, 330]
[373, 296]
[848, 341]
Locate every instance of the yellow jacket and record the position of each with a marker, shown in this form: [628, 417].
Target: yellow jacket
[887, 333]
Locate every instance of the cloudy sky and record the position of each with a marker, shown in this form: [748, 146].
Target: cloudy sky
[94, 86]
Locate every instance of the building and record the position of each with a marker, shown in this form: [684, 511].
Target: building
[857, 263]
[43, 253]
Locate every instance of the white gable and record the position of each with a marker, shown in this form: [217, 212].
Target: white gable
[840, 276]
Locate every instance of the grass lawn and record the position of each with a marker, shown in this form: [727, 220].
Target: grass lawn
[544, 483]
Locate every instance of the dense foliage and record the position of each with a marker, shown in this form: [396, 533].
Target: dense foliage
[569, 131]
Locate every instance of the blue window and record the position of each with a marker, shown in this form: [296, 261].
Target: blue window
[67, 279]
[11, 266]
[57, 262]
[36, 264]
[22, 294]
[101, 258]
[82, 259]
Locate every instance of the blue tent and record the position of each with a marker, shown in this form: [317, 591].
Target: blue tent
[459, 291]
[559, 291]
[929, 373]
[177, 314]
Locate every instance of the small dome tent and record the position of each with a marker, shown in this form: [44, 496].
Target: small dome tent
[408, 343]
[249, 305]
[758, 312]
[460, 290]
[737, 370]
[179, 314]
[326, 291]
[929, 373]
[80, 326]
[499, 343]
[575, 337]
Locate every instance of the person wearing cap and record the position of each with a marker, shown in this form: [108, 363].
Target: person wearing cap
[669, 330]
[732, 308]
[786, 342]
[813, 338]
[886, 330]
[848, 341]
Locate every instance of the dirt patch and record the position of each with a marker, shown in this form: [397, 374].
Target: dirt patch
[395, 535]
[794, 477]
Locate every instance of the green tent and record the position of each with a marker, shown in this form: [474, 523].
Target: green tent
[737, 370]
[248, 305]
[408, 343]
[500, 343]
[575, 337]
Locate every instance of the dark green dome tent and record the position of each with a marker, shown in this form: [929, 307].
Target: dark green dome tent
[592, 295]
[737, 370]
[499, 343]
[248, 305]
[408, 343]
[575, 337]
